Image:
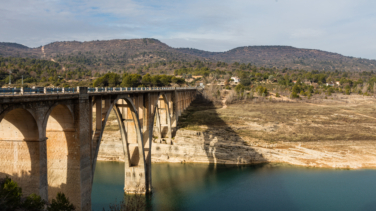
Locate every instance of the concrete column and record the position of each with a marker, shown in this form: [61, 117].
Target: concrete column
[135, 178]
[82, 124]
[180, 103]
[98, 124]
[174, 110]
[185, 100]
[147, 136]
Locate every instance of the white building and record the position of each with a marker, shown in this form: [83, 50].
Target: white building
[235, 79]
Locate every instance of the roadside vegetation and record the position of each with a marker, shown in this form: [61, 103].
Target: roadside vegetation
[292, 83]
[11, 198]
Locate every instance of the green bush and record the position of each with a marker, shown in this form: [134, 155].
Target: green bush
[330, 90]
[11, 199]
[10, 195]
[296, 88]
[239, 89]
[34, 203]
[308, 94]
[347, 92]
[277, 94]
[61, 203]
[262, 91]
[294, 95]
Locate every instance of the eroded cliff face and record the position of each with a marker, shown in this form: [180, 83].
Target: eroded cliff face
[188, 146]
[222, 148]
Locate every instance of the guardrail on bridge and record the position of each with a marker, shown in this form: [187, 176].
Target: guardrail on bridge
[47, 90]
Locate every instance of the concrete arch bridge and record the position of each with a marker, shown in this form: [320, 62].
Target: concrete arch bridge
[49, 140]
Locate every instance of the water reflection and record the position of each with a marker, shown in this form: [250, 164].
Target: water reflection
[261, 187]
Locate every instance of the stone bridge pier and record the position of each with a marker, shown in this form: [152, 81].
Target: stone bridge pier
[49, 143]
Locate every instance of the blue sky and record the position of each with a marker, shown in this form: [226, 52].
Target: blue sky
[347, 27]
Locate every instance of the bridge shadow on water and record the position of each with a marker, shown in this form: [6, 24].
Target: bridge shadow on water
[224, 183]
[218, 184]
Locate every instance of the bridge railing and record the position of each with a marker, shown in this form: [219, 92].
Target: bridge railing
[71, 90]
[10, 91]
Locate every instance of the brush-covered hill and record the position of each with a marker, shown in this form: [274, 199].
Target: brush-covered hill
[103, 56]
[142, 53]
[17, 50]
[287, 57]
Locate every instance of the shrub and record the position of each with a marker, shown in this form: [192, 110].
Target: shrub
[10, 195]
[61, 203]
[296, 88]
[33, 203]
[294, 95]
[262, 91]
[11, 199]
[239, 89]
[309, 95]
[347, 92]
[330, 91]
[277, 94]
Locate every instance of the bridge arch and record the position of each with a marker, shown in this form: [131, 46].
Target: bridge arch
[20, 149]
[63, 152]
[131, 135]
[161, 110]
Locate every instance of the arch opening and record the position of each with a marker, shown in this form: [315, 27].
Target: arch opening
[162, 120]
[20, 150]
[124, 111]
[63, 154]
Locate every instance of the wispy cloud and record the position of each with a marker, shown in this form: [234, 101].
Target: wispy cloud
[343, 26]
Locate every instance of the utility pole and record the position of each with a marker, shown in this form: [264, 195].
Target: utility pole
[10, 74]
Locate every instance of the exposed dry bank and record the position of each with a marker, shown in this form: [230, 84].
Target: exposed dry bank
[338, 133]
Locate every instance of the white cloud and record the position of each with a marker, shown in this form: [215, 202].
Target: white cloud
[343, 26]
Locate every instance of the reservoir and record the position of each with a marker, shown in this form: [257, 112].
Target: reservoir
[262, 187]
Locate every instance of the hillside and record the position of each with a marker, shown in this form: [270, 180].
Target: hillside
[17, 50]
[142, 53]
[102, 56]
[288, 57]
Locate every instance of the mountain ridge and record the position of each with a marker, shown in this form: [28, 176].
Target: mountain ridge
[120, 53]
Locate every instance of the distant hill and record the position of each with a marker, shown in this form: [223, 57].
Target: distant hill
[287, 57]
[17, 50]
[121, 54]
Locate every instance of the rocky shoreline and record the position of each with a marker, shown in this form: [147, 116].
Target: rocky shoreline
[220, 147]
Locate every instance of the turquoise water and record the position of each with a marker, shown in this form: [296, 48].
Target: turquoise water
[264, 187]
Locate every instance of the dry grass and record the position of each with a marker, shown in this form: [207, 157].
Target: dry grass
[332, 120]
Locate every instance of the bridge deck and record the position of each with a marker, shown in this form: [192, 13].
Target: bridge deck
[18, 95]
